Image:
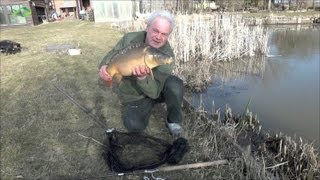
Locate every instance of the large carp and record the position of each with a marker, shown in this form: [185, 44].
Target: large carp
[123, 63]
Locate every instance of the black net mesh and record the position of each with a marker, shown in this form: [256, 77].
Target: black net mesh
[136, 151]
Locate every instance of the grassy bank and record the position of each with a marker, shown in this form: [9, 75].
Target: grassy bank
[43, 135]
[39, 126]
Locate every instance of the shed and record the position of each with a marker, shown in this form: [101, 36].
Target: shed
[8, 19]
[113, 11]
[125, 10]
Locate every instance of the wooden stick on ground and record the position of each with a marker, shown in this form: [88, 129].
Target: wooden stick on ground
[172, 168]
[194, 165]
[92, 139]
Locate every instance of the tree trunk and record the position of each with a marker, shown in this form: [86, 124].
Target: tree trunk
[47, 10]
[177, 5]
[289, 4]
[314, 5]
[269, 5]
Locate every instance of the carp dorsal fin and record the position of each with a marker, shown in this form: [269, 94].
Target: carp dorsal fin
[151, 73]
[145, 50]
[127, 48]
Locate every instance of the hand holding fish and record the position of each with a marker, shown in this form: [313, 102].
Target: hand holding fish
[140, 71]
[104, 74]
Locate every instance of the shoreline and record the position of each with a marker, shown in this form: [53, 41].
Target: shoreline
[261, 148]
[284, 18]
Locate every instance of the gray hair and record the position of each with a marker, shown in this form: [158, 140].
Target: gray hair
[164, 14]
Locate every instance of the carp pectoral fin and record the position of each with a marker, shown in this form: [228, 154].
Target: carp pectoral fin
[117, 78]
[151, 73]
[149, 65]
[145, 49]
[109, 84]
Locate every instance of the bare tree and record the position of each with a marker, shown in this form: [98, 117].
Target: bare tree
[290, 4]
[269, 5]
[314, 5]
[46, 2]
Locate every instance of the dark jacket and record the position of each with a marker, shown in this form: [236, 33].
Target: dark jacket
[132, 89]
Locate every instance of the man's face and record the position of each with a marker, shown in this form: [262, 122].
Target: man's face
[158, 32]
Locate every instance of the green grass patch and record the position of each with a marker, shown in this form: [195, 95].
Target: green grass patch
[39, 126]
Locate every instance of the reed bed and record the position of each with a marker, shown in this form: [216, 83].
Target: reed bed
[216, 37]
[293, 158]
[276, 156]
[283, 156]
[199, 41]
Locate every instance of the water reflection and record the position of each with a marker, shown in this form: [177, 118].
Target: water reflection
[295, 41]
[284, 86]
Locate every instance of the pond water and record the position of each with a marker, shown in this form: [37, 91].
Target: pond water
[283, 86]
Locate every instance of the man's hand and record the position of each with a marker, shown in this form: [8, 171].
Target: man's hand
[104, 74]
[141, 71]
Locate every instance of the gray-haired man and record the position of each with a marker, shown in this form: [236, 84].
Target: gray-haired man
[140, 92]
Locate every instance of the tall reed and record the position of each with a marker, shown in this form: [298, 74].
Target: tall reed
[201, 40]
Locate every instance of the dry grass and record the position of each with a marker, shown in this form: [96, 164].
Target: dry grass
[39, 126]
